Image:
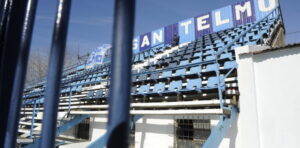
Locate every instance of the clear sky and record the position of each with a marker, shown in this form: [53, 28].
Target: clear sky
[91, 20]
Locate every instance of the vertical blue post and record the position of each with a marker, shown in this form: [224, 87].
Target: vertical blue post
[32, 119]
[11, 36]
[3, 21]
[55, 67]
[19, 79]
[69, 105]
[119, 97]
[219, 84]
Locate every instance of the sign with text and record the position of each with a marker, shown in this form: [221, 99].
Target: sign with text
[247, 11]
[97, 56]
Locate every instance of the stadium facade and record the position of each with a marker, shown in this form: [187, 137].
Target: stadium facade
[230, 83]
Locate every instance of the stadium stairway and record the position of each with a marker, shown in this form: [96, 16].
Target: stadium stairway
[65, 123]
[198, 78]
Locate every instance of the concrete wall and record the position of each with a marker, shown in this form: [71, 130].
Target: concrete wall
[158, 131]
[154, 131]
[97, 126]
[269, 99]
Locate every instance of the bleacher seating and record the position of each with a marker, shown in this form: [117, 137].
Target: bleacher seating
[191, 72]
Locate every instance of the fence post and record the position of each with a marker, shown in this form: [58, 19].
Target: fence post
[11, 41]
[55, 67]
[119, 97]
[19, 79]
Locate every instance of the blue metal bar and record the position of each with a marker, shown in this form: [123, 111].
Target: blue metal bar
[11, 42]
[216, 136]
[32, 119]
[69, 105]
[3, 22]
[119, 97]
[54, 74]
[219, 86]
[18, 86]
[99, 143]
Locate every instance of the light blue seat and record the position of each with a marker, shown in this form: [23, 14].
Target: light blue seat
[136, 58]
[144, 89]
[89, 95]
[220, 49]
[234, 47]
[212, 82]
[142, 57]
[87, 81]
[198, 60]
[146, 54]
[151, 53]
[211, 57]
[227, 39]
[198, 54]
[98, 94]
[166, 74]
[63, 90]
[196, 70]
[74, 88]
[217, 41]
[209, 52]
[93, 80]
[251, 43]
[175, 86]
[68, 89]
[226, 56]
[209, 47]
[230, 64]
[184, 62]
[41, 100]
[79, 88]
[212, 67]
[180, 72]
[220, 44]
[159, 87]
[194, 84]
[82, 82]
[98, 79]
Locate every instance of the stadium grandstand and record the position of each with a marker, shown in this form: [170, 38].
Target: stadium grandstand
[215, 80]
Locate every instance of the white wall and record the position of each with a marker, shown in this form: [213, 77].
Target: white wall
[97, 126]
[277, 77]
[154, 131]
[269, 99]
[158, 131]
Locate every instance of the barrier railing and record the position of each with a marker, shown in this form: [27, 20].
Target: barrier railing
[276, 13]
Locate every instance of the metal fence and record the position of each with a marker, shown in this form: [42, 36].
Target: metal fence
[16, 25]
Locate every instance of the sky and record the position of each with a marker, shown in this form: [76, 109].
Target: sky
[91, 20]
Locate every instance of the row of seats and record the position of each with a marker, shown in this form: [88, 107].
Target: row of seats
[185, 69]
[219, 39]
[99, 94]
[176, 86]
